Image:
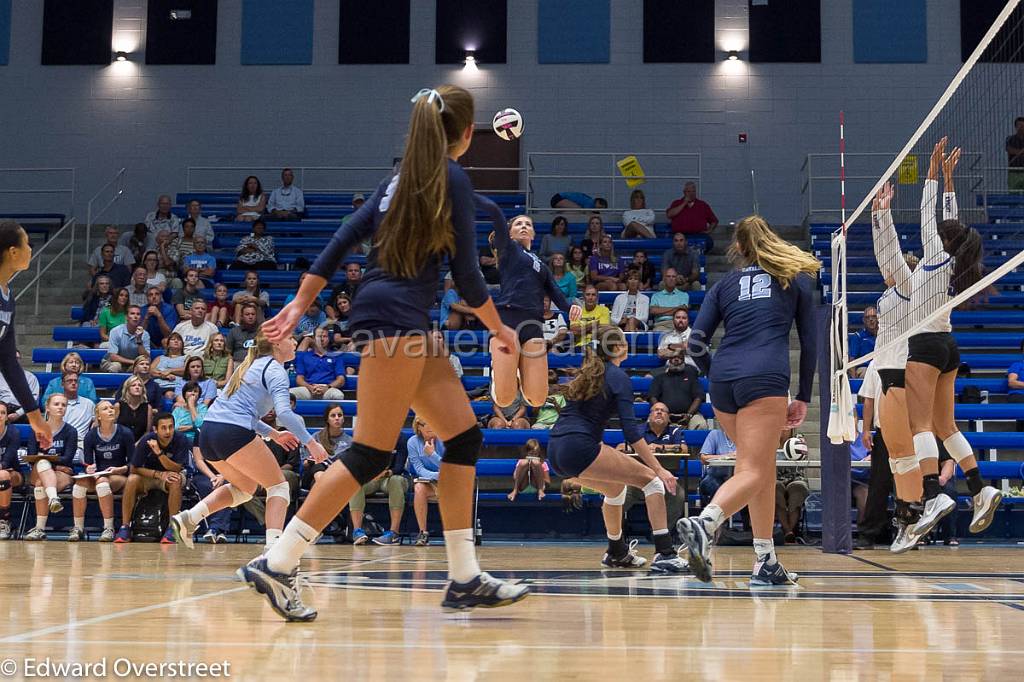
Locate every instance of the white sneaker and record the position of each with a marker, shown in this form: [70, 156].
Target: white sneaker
[107, 535]
[934, 511]
[985, 505]
[183, 529]
[905, 539]
[55, 506]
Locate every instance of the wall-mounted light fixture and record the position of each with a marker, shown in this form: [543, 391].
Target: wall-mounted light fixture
[470, 64]
[733, 55]
[120, 56]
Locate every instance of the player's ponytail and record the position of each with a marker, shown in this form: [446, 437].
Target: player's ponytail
[755, 243]
[417, 225]
[608, 342]
[964, 244]
[258, 347]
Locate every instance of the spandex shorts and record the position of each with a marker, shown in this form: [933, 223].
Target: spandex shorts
[731, 396]
[892, 378]
[220, 441]
[937, 349]
[570, 454]
[526, 325]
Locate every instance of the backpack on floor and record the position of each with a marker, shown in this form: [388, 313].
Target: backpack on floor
[150, 518]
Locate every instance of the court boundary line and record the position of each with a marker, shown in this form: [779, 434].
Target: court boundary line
[869, 562]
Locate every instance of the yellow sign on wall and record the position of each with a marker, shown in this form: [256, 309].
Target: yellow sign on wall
[907, 173]
[631, 170]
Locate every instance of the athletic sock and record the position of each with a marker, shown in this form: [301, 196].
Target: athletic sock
[907, 513]
[286, 553]
[712, 517]
[80, 522]
[974, 482]
[462, 564]
[272, 536]
[41, 521]
[51, 493]
[616, 545]
[197, 513]
[108, 524]
[932, 489]
[663, 541]
[765, 551]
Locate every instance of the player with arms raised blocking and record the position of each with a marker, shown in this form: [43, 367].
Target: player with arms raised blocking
[750, 384]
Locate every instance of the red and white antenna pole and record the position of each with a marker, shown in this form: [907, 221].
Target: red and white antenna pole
[842, 169]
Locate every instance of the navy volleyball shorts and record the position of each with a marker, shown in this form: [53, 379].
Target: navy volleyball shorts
[892, 378]
[220, 441]
[731, 396]
[525, 325]
[937, 349]
[570, 454]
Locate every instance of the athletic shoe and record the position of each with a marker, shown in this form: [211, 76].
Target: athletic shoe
[55, 506]
[696, 547]
[168, 538]
[359, 537]
[183, 530]
[423, 539]
[107, 535]
[766, 574]
[222, 539]
[35, 535]
[985, 505]
[483, 591]
[280, 589]
[76, 534]
[934, 511]
[669, 563]
[5, 529]
[387, 538]
[124, 534]
[905, 539]
[628, 560]
[210, 536]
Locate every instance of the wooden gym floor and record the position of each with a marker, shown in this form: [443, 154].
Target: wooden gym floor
[934, 614]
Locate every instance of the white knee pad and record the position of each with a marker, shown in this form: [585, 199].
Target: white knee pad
[903, 465]
[43, 465]
[78, 492]
[925, 446]
[958, 447]
[280, 490]
[655, 487]
[238, 497]
[618, 500]
[103, 489]
[39, 493]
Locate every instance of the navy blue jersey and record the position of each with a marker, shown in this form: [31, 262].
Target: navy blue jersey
[178, 450]
[9, 366]
[9, 444]
[590, 417]
[758, 315]
[116, 452]
[65, 445]
[524, 277]
[388, 302]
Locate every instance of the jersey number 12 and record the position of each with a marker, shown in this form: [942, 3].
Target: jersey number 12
[758, 286]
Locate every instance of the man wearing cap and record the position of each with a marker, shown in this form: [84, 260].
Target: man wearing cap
[286, 202]
[358, 199]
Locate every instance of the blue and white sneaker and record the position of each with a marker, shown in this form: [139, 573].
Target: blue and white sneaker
[387, 538]
[696, 547]
[359, 537]
[483, 591]
[766, 574]
[669, 563]
[280, 589]
[183, 530]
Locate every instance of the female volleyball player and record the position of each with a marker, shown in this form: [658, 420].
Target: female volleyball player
[107, 447]
[600, 391]
[415, 218]
[49, 478]
[525, 280]
[750, 384]
[951, 265]
[231, 440]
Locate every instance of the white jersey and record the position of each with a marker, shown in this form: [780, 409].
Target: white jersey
[894, 307]
[932, 280]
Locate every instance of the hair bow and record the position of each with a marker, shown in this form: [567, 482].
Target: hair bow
[431, 95]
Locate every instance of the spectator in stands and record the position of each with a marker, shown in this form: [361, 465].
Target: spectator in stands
[556, 332]
[194, 330]
[642, 265]
[114, 314]
[189, 414]
[202, 260]
[97, 297]
[604, 266]
[638, 221]
[122, 254]
[314, 319]
[565, 280]
[578, 266]
[142, 368]
[511, 417]
[10, 470]
[577, 200]
[244, 332]
[79, 413]
[254, 294]
[547, 414]
[686, 263]
[667, 301]
[557, 241]
[256, 251]
[1015, 384]
[690, 215]
[12, 408]
[71, 364]
[50, 478]
[395, 485]
[592, 238]
[363, 247]
[165, 253]
[442, 346]
[663, 438]
[716, 446]
[157, 464]
[337, 317]
[335, 441]
[108, 447]
[127, 342]
[195, 372]
[318, 376]
[252, 201]
[425, 453]
[189, 294]
[170, 366]
[133, 409]
[183, 244]
[221, 309]
[203, 227]
[594, 315]
[217, 361]
[489, 263]
[158, 317]
[791, 491]
[455, 314]
[531, 470]
[631, 309]
[137, 241]
[119, 275]
[679, 388]
[162, 219]
[863, 341]
[286, 202]
[202, 477]
[154, 277]
[137, 288]
[353, 278]
[1015, 156]
[674, 342]
[290, 462]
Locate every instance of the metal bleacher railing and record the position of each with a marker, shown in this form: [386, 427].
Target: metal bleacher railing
[112, 193]
[47, 251]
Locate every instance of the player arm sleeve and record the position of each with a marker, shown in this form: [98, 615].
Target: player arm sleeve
[502, 240]
[277, 384]
[888, 250]
[12, 372]
[806, 330]
[930, 241]
[465, 263]
[950, 210]
[698, 346]
[352, 231]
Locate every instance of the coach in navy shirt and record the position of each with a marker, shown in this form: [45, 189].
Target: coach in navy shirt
[319, 376]
[158, 462]
[660, 434]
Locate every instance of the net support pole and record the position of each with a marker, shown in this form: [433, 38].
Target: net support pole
[835, 459]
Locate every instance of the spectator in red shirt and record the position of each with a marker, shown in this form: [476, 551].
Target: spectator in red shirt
[690, 215]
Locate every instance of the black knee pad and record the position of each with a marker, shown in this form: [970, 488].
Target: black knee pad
[464, 449]
[5, 485]
[365, 463]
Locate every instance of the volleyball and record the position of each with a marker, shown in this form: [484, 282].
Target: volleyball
[795, 449]
[508, 124]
